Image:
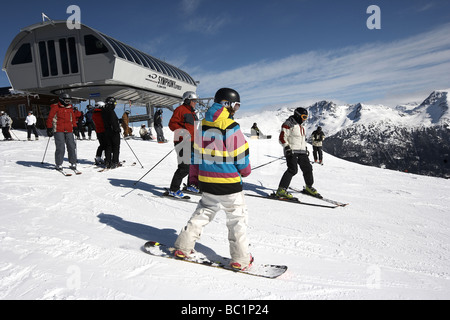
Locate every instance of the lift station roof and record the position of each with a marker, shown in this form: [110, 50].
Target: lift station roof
[50, 58]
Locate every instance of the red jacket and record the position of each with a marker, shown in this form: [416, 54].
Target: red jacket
[61, 118]
[98, 120]
[183, 117]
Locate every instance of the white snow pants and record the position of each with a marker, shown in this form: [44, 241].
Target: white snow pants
[237, 219]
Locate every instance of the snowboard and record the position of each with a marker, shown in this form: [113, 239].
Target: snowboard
[260, 270]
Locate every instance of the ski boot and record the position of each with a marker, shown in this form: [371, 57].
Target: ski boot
[311, 191]
[176, 194]
[282, 193]
[192, 188]
[239, 267]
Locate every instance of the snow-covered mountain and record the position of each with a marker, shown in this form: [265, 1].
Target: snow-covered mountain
[411, 137]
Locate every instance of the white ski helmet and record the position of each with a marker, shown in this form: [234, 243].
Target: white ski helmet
[188, 96]
[100, 104]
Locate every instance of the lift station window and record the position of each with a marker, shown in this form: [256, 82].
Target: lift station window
[93, 45]
[67, 53]
[23, 55]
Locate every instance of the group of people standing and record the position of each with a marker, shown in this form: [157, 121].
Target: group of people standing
[66, 122]
[62, 122]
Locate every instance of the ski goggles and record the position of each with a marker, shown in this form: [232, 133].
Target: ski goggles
[304, 117]
[234, 105]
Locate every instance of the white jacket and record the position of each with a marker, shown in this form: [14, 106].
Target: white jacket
[30, 120]
[293, 135]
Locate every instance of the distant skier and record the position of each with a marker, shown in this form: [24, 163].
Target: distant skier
[127, 131]
[79, 129]
[89, 122]
[30, 122]
[221, 180]
[5, 124]
[317, 139]
[293, 140]
[60, 123]
[157, 122]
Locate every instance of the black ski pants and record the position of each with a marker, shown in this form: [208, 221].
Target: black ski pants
[184, 160]
[317, 151]
[293, 161]
[112, 148]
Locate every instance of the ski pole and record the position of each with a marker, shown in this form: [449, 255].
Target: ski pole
[265, 164]
[45, 150]
[154, 166]
[132, 150]
[14, 134]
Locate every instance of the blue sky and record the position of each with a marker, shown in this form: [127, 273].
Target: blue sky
[275, 52]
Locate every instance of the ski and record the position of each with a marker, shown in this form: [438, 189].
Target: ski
[260, 270]
[167, 196]
[67, 174]
[336, 203]
[293, 200]
[77, 172]
[121, 164]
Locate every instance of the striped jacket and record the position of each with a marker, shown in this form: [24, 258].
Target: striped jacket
[221, 152]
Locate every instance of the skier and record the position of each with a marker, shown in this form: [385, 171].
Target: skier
[159, 126]
[60, 124]
[5, 124]
[79, 129]
[183, 123]
[221, 180]
[99, 130]
[317, 138]
[293, 140]
[30, 122]
[89, 122]
[112, 134]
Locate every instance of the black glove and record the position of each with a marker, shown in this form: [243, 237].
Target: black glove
[49, 132]
[287, 151]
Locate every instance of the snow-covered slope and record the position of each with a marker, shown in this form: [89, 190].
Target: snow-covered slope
[80, 237]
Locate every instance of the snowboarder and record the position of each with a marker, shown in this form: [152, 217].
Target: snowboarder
[112, 133]
[5, 124]
[30, 122]
[159, 126]
[255, 130]
[143, 132]
[183, 123]
[317, 138]
[60, 123]
[220, 180]
[99, 130]
[293, 140]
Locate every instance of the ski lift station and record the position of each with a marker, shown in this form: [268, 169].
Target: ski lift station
[49, 58]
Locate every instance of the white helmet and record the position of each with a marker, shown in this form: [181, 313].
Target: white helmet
[188, 96]
[100, 104]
